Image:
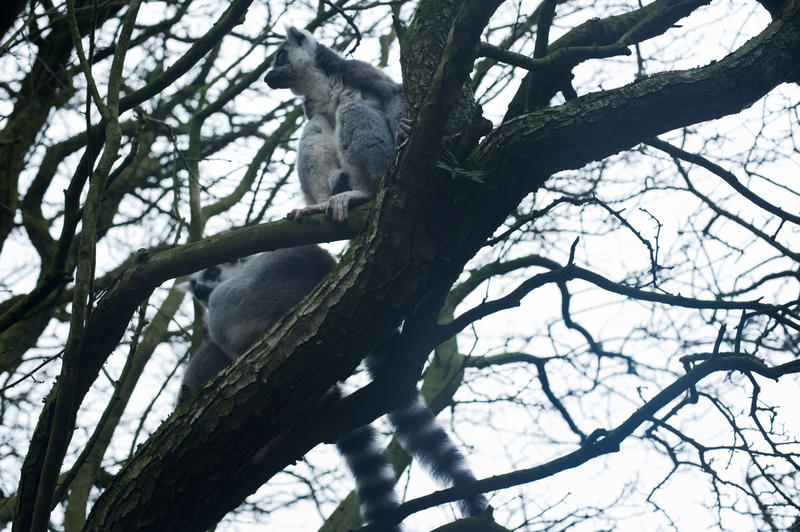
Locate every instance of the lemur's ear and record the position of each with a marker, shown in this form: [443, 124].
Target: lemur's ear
[295, 35]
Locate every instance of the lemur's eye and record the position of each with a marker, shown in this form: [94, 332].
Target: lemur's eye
[211, 274]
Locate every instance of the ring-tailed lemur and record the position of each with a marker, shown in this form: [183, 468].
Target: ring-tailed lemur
[355, 113]
[209, 358]
[249, 298]
[243, 298]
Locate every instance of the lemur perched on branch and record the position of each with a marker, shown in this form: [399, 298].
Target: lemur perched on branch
[245, 298]
[356, 115]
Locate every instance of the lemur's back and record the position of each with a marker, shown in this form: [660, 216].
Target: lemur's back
[269, 284]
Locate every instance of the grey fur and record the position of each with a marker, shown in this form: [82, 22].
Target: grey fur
[206, 362]
[243, 307]
[356, 114]
[209, 359]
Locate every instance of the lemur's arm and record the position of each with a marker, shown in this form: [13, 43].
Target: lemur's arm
[374, 82]
[206, 362]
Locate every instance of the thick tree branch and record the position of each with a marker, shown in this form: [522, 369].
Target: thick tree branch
[564, 57]
[615, 32]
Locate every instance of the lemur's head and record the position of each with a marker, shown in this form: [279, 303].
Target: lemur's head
[202, 283]
[293, 58]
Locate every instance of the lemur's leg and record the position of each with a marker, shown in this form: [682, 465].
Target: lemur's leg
[204, 364]
[317, 160]
[399, 124]
[365, 146]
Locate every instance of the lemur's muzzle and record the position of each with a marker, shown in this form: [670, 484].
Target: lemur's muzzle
[276, 80]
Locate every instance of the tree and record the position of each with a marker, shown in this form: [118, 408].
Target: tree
[653, 235]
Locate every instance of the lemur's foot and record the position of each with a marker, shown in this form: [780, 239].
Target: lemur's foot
[337, 209]
[403, 131]
[296, 214]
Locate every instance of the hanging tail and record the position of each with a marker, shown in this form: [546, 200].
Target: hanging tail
[374, 475]
[422, 436]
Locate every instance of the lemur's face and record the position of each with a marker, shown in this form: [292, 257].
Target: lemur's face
[202, 283]
[292, 59]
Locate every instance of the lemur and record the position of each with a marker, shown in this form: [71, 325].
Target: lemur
[355, 113]
[244, 299]
[209, 359]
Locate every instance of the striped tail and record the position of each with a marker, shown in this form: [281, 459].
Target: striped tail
[373, 474]
[420, 434]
